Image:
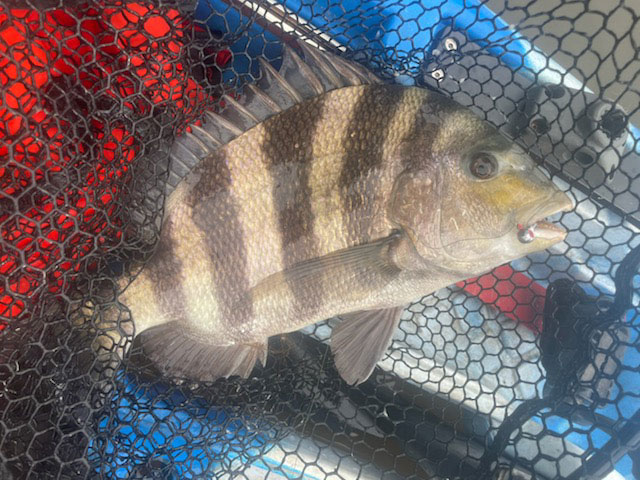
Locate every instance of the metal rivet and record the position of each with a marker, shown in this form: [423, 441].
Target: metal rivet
[539, 125]
[613, 123]
[438, 74]
[451, 44]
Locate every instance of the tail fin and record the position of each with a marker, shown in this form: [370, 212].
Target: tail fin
[109, 320]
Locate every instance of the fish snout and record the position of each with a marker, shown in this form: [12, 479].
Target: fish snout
[535, 227]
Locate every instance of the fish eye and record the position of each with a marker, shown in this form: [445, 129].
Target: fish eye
[483, 165]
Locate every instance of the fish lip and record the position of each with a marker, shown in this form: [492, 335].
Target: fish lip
[555, 203]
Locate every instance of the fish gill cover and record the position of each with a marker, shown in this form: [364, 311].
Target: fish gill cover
[530, 371]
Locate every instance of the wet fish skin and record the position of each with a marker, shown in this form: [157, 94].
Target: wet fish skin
[281, 210]
[356, 201]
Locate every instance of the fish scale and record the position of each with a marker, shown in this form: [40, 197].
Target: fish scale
[339, 204]
[298, 236]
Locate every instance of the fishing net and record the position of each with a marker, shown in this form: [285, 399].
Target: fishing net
[530, 371]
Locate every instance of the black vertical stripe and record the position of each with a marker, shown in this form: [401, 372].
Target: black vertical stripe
[216, 215]
[288, 149]
[164, 273]
[364, 142]
[425, 128]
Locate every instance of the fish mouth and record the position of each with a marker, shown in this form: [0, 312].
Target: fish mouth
[537, 227]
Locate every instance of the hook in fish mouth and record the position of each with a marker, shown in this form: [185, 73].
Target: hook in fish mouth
[540, 229]
[536, 227]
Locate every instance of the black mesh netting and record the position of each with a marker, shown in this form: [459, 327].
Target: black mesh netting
[530, 371]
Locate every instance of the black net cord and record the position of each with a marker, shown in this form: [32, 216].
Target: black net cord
[605, 458]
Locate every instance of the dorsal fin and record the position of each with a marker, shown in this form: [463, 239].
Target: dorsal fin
[233, 105]
[184, 156]
[318, 60]
[212, 118]
[255, 96]
[205, 137]
[297, 80]
[301, 75]
[279, 89]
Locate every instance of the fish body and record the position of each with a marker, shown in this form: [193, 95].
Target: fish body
[353, 201]
[283, 193]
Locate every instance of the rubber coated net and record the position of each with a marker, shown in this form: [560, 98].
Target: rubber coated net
[531, 371]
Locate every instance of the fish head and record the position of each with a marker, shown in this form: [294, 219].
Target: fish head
[476, 201]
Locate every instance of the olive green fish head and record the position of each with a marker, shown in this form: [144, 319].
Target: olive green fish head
[474, 200]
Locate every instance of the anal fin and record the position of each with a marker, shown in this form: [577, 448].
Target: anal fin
[178, 351]
[361, 339]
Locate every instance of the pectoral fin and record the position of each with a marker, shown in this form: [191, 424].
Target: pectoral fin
[179, 351]
[364, 267]
[360, 340]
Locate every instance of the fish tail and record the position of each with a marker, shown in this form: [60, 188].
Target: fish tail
[110, 323]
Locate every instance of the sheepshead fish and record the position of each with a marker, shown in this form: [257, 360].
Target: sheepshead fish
[321, 193]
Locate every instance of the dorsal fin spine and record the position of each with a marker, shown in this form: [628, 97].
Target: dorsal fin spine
[202, 132]
[264, 98]
[306, 72]
[220, 120]
[240, 108]
[292, 92]
[324, 66]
